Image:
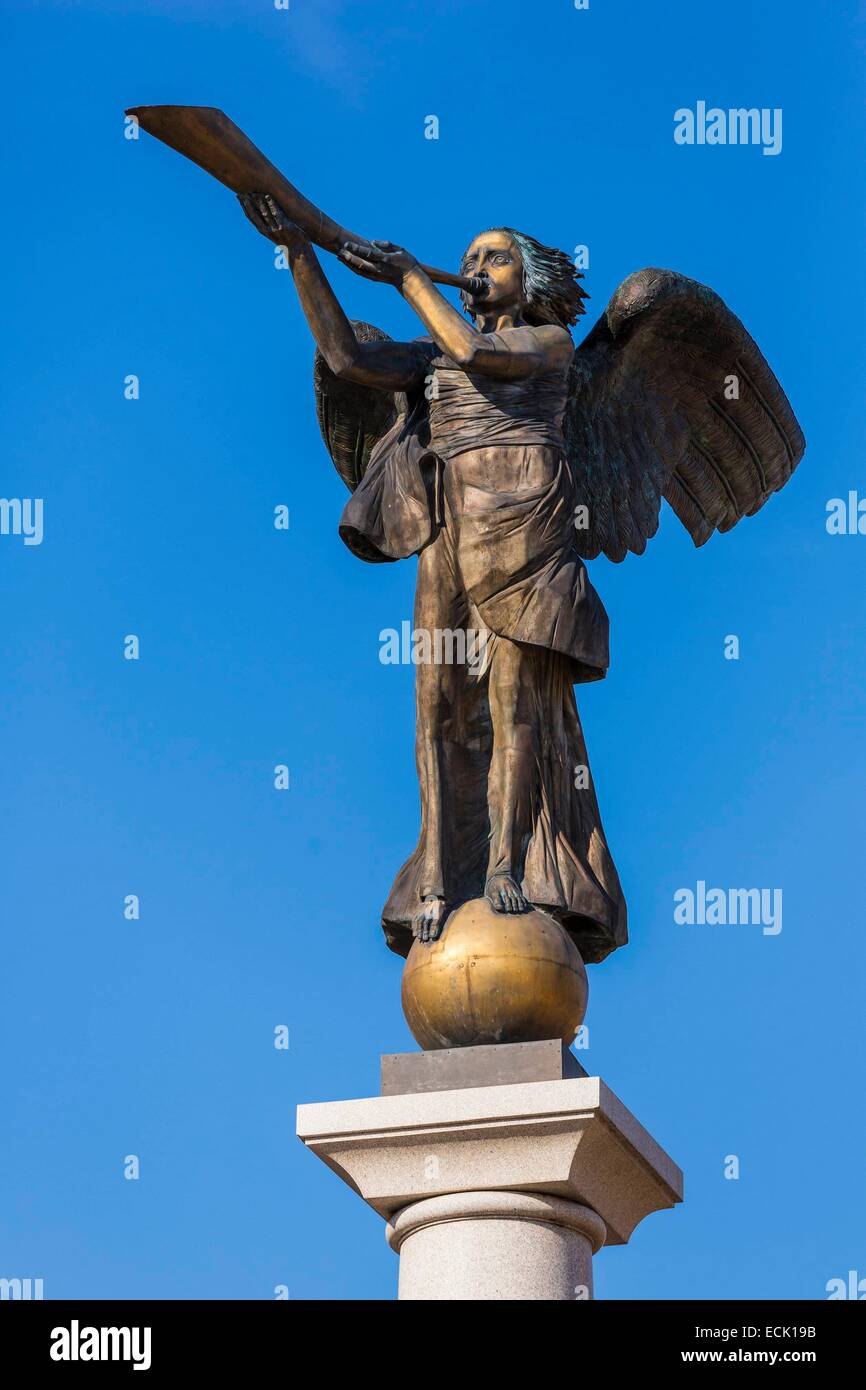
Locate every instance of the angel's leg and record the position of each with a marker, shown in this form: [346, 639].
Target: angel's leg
[439, 603]
[513, 779]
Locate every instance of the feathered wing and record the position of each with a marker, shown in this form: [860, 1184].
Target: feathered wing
[352, 418]
[669, 397]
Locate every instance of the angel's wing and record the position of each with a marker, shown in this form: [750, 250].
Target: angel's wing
[670, 397]
[352, 418]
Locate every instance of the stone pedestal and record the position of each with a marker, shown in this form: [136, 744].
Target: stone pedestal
[501, 1191]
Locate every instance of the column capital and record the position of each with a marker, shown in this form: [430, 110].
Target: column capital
[495, 1206]
[570, 1139]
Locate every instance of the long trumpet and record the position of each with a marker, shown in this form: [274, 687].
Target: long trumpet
[205, 135]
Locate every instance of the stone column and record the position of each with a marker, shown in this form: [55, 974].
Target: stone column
[496, 1192]
[495, 1245]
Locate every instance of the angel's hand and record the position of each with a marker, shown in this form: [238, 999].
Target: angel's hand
[378, 260]
[268, 218]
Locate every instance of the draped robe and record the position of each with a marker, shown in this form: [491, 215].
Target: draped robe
[500, 560]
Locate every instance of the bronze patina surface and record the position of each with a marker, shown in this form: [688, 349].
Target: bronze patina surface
[504, 458]
[494, 977]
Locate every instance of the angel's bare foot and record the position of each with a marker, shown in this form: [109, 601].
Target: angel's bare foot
[429, 920]
[503, 894]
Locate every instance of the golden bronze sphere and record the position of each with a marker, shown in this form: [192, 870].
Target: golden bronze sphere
[494, 977]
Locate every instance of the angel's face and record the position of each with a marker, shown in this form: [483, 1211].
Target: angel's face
[495, 257]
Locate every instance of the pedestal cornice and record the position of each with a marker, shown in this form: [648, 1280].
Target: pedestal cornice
[571, 1139]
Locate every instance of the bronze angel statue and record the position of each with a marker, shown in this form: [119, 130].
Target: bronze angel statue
[504, 458]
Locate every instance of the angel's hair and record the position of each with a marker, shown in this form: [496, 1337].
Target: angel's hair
[550, 282]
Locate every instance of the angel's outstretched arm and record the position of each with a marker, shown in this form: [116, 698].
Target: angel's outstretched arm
[525, 351]
[387, 365]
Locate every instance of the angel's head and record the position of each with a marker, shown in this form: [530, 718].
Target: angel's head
[523, 276]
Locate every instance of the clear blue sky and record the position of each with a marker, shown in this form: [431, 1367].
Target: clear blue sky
[260, 908]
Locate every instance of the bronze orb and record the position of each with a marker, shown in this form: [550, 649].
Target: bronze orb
[494, 977]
